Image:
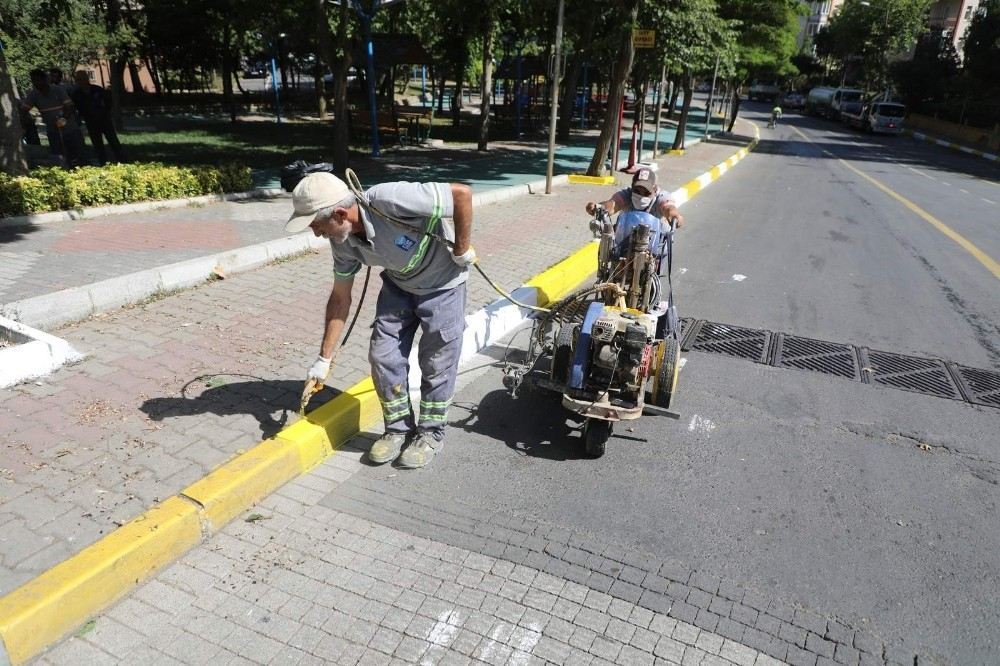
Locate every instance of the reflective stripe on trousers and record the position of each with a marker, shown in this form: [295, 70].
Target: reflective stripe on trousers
[441, 318]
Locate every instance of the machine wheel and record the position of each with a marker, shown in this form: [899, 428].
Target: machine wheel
[562, 356]
[595, 435]
[665, 382]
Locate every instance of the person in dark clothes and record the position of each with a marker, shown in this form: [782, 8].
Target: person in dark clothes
[59, 116]
[94, 104]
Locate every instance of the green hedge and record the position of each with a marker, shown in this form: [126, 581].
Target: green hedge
[52, 188]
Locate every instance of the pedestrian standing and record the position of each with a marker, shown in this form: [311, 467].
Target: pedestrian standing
[94, 104]
[57, 112]
[399, 226]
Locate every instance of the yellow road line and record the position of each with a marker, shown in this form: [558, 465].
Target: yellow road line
[991, 265]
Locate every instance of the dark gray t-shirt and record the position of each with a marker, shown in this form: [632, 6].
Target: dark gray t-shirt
[414, 262]
[52, 106]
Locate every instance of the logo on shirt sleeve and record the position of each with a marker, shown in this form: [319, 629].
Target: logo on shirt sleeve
[405, 243]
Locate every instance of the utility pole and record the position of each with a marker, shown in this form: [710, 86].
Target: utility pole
[556, 73]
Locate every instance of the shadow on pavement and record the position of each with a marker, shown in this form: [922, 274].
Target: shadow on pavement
[260, 398]
[534, 424]
[11, 234]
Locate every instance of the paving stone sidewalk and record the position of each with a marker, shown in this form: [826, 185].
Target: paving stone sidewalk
[336, 568]
[172, 388]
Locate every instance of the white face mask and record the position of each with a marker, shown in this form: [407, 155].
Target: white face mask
[641, 203]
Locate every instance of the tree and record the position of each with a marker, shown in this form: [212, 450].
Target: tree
[628, 10]
[765, 35]
[874, 30]
[982, 44]
[12, 159]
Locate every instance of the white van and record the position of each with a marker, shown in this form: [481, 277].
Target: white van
[885, 117]
[846, 100]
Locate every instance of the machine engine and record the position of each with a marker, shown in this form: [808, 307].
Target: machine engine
[622, 349]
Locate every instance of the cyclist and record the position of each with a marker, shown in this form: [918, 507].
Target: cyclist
[775, 114]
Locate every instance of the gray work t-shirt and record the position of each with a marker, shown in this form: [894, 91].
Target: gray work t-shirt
[415, 263]
[52, 106]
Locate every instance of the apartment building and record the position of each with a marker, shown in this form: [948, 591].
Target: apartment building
[949, 19]
[819, 15]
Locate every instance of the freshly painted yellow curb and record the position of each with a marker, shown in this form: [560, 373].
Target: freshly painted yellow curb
[675, 151]
[56, 602]
[591, 180]
[48, 607]
[557, 281]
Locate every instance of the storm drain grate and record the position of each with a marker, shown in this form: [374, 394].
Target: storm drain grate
[981, 386]
[910, 373]
[829, 358]
[748, 343]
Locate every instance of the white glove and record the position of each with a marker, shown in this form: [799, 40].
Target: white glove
[467, 258]
[320, 370]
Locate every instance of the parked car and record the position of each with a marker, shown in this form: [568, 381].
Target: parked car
[764, 92]
[793, 100]
[878, 117]
[255, 72]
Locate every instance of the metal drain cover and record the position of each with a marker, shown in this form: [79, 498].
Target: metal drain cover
[981, 386]
[910, 373]
[829, 358]
[748, 343]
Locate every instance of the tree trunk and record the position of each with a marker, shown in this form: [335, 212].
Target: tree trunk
[227, 70]
[325, 55]
[456, 97]
[616, 91]
[133, 72]
[154, 74]
[341, 129]
[675, 90]
[487, 88]
[682, 123]
[12, 157]
[444, 84]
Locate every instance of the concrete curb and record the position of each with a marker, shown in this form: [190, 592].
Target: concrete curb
[138, 207]
[47, 608]
[35, 353]
[954, 146]
[76, 303]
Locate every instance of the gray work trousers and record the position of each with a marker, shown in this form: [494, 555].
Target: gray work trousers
[441, 317]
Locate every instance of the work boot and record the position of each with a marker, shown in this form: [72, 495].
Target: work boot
[386, 448]
[420, 452]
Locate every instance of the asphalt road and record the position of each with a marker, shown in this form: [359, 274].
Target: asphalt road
[870, 504]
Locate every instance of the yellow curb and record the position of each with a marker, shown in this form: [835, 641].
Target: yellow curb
[558, 280]
[48, 607]
[56, 602]
[590, 180]
[675, 151]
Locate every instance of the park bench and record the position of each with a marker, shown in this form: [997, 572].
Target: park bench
[389, 125]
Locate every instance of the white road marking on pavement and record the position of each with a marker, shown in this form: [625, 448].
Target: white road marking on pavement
[945, 183]
[739, 278]
[493, 644]
[522, 651]
[918, 171]
[963, 191]
[987, 200]
[683, 362]
[682, 271]
[441, 633]
[701, 425]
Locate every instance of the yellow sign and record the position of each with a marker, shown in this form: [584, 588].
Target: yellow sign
[643, 39]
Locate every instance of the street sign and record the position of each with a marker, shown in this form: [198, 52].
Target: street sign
[643, 39]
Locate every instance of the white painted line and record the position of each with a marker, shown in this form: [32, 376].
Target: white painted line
[921, 173]
[989, 201]
[739, 278]
[701, 426]
[963, 191]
